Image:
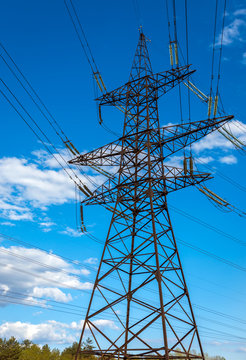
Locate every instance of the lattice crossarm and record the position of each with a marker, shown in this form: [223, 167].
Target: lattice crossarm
[183, 181]
[167, 80]
[106, 155]
[158, 83]
[176, 137]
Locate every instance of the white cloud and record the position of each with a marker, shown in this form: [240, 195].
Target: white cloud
[232, 32]
[176, 160]
[229, 160]
[91, 261]
[51, 293]
[240, 12]
[46, 160]
[27, 185]
[244, 59]
[7, 223]
[71, 232]
[204, 159]
[41, 187]
[11, 211]
[101, 323]
[46, 225]
[38, 274]
[50, 331]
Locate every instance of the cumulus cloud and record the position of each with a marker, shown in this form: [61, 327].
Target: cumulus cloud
[40, 186]
[71, 232]
[36, 273]
[91, 261]
[46, 160]
[7, 223]
[244, 59]
[229, 160]
[204, 159]
[51, 293]
[240, 12]
[46, 225]
[50, 331]
[232, 32]
[27, 185]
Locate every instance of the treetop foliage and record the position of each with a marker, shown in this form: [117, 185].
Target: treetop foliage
[11, 349]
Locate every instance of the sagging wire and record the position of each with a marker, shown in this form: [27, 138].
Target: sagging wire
[96, 74]
[30, 91]
[97, 77]
[239, 145]
[218, 201]
[220, 57]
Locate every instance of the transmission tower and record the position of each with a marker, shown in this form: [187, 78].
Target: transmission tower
[140, 286]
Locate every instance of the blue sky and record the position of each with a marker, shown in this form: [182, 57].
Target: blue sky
[37, 203]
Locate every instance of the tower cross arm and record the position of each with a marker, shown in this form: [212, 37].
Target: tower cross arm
[158, 85]
[105, 155]
[177, 137]
[175, 179]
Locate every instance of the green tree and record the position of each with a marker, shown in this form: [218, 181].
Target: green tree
[10, 349]
[70, 352]
[26, 344]
[31, 353]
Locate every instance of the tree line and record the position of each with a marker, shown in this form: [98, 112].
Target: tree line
[12, 349]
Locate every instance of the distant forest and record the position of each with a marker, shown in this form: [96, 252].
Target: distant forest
[26, 350]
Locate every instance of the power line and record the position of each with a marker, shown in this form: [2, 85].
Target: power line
[214, 39]
[76, 178]
[221, 45]
[210, 310]
[34, 92]
[187, 55]
[225, 177]
[214, 256]
[207, 225]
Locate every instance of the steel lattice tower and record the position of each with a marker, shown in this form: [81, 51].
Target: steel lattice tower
[140, 284]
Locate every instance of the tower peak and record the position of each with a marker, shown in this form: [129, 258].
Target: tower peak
[141, 63]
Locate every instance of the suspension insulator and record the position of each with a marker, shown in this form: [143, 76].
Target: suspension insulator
[196, 93]
[191, 84]
[83, 229]
[102, 82]
[215, 195]
[98, 83]
[191, 165]
[212, 198]
[74, 148]
[209, 105]
[215, 105]
[234, 137]
[83, 191]
[230, 139]
[69, 148]
[176, 53]
[185, 166]
[88, 190]
[100, 114]
[171, 54]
